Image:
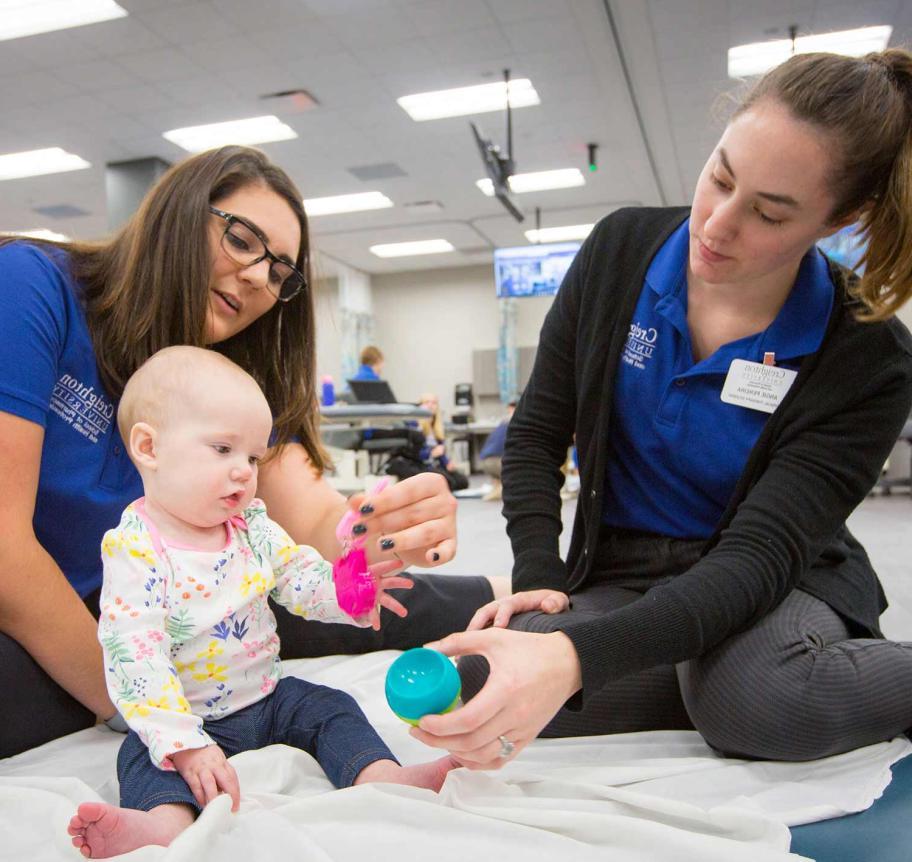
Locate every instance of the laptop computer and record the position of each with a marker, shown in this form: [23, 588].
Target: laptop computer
[372, 391]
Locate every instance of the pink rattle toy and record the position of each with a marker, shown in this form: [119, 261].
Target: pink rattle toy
[356, 588]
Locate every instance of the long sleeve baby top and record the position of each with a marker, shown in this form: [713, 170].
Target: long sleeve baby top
[188, 634]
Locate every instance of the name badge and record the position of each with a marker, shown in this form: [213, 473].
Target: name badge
[756, 386]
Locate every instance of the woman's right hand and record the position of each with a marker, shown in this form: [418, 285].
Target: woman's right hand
[438, 450]
[499, 612]
[532, 676]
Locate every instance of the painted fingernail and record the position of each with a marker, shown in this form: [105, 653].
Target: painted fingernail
[359, 529]
[387, 544]
[436, 556]
[366, 509]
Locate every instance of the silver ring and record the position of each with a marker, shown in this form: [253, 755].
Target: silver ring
[506, 747]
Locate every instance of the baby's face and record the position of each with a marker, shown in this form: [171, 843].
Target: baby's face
[207, 456]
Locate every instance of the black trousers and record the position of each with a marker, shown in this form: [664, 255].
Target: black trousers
[795, 686]
[35, 710]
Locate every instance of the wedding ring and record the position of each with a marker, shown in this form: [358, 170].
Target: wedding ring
[506, 747]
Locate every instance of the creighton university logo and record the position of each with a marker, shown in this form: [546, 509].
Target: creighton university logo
[640, 345]
[81, 407]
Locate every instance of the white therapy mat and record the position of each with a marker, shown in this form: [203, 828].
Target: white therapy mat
[627, 798]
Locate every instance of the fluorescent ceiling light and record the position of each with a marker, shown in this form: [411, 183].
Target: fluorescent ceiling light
[255, 130]
[27, 17]
[760, 57]
[347, 203]
[560, 234]
[405, 249]
[469, 100]
[39, 233]
[538, 181]
[34, 163]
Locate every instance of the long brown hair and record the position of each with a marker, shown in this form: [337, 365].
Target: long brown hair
[434, 425]
[865, 105]
[148, 288]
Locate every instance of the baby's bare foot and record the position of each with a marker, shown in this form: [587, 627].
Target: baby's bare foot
[101, 830]
[430, 775]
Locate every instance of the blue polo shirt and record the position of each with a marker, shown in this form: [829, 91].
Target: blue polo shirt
[365, 372]
[48, 375]
[675, 449]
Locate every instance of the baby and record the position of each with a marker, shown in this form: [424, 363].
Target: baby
[190, 647]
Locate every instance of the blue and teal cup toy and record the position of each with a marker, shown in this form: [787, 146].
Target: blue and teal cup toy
[420, 682]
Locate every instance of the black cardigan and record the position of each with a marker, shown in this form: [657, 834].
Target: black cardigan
[817, 457]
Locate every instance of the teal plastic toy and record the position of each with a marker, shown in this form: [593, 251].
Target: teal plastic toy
[420, 682]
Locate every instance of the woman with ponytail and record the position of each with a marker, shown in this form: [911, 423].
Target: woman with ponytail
[734, 395]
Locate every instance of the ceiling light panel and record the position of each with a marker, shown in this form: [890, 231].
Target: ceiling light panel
[20, 18]
[39, 233]
[759, 57]
[461, 101]
[560, 234]
[254, 130]
[34, 163]
[346, 203]
[538, 181]
[408, 249]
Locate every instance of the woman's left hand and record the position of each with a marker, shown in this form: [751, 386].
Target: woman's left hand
[413, 521]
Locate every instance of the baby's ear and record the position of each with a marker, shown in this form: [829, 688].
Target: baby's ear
[142, 445]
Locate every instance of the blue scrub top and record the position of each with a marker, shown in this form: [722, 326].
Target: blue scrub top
[675, 449]
[365, 372]
[48, 375]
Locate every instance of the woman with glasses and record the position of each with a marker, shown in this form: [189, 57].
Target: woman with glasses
[217, 256]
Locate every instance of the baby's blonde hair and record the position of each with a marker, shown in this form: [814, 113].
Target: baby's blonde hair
[165, 383]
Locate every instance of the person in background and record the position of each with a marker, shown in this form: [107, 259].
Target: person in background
[491, 455]
[433, 453]
[371, 367]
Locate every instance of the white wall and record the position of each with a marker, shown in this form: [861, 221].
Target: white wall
[329, 335]
[905, 314]
[428, 323]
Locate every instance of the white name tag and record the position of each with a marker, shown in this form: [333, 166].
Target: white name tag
[757, 386]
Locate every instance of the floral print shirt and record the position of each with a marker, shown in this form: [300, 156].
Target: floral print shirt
[188, 634]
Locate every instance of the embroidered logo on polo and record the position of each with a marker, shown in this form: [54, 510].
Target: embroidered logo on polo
[640, 345]
[81, 407]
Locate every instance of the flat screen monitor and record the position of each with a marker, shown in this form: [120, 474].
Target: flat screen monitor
[533, 270]
[372, 391]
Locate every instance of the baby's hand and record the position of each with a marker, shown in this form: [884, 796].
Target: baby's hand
[208, 773]
[385, 575]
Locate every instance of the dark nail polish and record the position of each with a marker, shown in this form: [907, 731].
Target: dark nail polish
[366, 509]
[387, 544]
[359, 529]
[436, 556]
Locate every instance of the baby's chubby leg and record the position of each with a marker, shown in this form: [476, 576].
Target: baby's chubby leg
[430, 775]
[100, 830]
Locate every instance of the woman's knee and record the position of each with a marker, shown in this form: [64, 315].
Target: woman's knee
[740, 715]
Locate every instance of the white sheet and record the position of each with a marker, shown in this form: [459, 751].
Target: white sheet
[630, 798]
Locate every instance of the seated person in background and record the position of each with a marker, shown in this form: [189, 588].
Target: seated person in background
[190, 645]
[371, 367]
[434, 451]
[491, 454]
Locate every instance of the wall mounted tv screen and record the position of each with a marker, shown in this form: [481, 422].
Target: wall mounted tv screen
[532, 270]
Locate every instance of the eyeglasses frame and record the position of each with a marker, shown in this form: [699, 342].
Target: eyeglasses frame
[230, 219]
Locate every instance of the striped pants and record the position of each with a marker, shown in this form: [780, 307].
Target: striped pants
[795, 686]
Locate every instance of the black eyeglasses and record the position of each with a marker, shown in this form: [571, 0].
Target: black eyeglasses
[243, 243]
